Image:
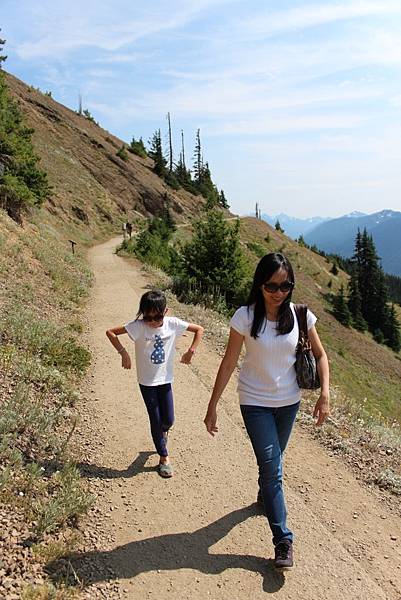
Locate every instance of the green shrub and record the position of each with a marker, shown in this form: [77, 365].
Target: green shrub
[257, 249]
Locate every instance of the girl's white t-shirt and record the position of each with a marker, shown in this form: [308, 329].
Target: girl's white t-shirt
[155, 348]
[267, 376]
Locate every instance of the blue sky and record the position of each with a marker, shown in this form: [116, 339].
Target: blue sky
[299, 103]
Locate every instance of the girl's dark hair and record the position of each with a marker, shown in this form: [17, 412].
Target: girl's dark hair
[266, 268]
[153, 301]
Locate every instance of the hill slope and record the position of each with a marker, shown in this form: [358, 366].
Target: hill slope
[94, 189]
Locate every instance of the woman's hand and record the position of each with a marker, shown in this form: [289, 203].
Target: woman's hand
[125, 359]
[210, 421]
[322, 408]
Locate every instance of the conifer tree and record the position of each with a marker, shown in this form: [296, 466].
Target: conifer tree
[278, 227]
[22, 183]
[137, 147]
[2, 56]
[223, 200]
[381, 320]
[214, 257]
[341, 310]
[355, 303]
[391, 330]
[156, 152]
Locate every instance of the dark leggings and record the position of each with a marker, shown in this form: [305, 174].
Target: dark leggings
[160, 407]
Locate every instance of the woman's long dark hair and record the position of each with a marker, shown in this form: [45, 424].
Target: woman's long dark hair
[266, 268]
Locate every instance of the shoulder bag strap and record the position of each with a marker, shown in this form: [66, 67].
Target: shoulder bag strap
[300, 311]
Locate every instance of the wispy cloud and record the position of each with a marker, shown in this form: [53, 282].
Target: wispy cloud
[278, 22]
[95, 25]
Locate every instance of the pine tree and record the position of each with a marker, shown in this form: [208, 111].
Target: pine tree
[22, 183]
[278, 227]
[156, 152]
[341, 310]
[138, 147]
[391, 330]
[355, 303]
[2, 56]
[223, 200]
[214, 257]
[381, 320]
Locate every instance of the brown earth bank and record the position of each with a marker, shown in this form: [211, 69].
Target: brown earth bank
[199, 534]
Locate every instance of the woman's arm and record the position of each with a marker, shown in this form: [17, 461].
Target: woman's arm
[224, 373]
[197, 330]
[322, 407]
[113, 334]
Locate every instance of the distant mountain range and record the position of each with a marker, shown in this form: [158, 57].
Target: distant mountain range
[338, 236]
[292, 226]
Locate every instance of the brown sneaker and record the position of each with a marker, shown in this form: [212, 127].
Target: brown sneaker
[283, 556]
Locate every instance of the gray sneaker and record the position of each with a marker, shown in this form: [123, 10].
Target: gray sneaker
[283, 555]
[165, 470]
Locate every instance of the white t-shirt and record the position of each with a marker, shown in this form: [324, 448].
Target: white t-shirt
[267, 376]
[154, 349]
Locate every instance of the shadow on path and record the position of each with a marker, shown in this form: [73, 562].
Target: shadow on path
[136, 467]
[99, 472]
[171, 552]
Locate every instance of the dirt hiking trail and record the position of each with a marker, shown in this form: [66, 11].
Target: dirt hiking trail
[199, 535]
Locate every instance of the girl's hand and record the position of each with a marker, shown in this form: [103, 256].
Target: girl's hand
[125, 359]
[187, 357]
[322, 408]
[210, 421]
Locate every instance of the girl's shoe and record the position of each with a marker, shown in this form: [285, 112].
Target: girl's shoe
[165, 470]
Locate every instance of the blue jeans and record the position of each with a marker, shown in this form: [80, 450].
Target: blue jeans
[159, 404]
[269, 430]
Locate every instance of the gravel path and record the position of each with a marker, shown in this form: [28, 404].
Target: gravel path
[199, 535]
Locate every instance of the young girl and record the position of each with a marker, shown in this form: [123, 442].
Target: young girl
[268, 390]
[154, 335]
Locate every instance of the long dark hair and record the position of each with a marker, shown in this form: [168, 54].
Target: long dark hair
[266, 268]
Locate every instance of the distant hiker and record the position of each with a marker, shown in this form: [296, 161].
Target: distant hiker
[124, 228]
[268, 390]
[154, 335]
[129, 228]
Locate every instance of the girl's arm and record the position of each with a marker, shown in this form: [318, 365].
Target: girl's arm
[113, 334]
[322, 407]
[224, 373]
[197, 330]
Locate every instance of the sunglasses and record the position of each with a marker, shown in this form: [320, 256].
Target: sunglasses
[150, 318]
[272, 288]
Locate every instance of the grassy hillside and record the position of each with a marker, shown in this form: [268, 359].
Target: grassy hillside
[94, 189]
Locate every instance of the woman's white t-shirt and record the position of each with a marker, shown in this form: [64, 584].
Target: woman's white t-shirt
[267, 376]
[154, 349]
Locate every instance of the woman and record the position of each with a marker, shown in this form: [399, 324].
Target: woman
[268, 391]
